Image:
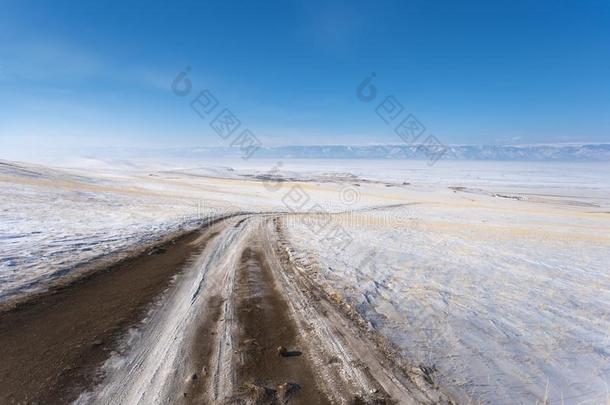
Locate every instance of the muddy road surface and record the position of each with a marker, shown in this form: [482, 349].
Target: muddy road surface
[219, 316]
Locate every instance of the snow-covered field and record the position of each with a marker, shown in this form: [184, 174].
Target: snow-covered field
[495, 274]
[508, 299]
[53, 219]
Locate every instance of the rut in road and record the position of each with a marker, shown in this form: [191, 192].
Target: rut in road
[53, 344]
[270, 364]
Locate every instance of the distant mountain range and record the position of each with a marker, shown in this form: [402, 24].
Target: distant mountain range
[549, 152]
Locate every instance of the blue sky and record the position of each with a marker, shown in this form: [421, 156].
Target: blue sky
[99, 73]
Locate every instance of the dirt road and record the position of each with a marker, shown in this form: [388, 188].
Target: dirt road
[218, 316]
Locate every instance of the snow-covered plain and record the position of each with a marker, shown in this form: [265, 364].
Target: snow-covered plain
[54, 220]
[508, 299]
[495, 274]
